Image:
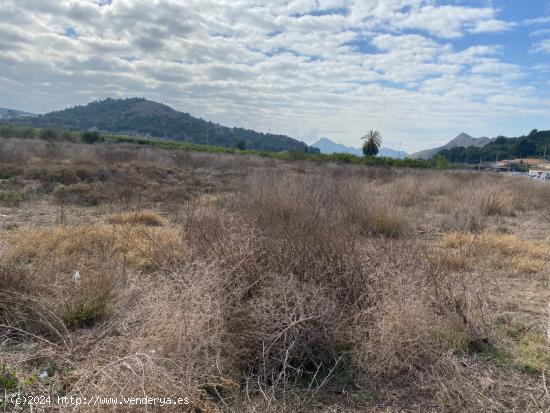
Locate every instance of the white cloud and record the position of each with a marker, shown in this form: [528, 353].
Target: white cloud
[542, 46]
[286, 66]
[537, 20]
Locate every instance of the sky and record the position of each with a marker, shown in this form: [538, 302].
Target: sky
[419, 71]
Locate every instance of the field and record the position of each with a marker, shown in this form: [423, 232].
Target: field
[250, 284]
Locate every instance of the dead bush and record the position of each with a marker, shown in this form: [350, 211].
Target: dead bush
[144, 217]
[69, 273]
[52, 174]
[74, 272]
[496, 202]
[409, 289]
[79, 194]
[11, 198]
[9, 170]
[386, 220]
[287, 331]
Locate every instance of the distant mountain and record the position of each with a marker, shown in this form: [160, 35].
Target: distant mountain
[327, 146]
[535, 144]
[462, 140]
[137, 116]
[12, 114]
[392, 153]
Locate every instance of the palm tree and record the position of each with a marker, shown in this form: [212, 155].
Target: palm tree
[371, 143]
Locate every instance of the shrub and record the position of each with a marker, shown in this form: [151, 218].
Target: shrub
[91, 137]
[79, 194]
[48, 134]
[11, 198]
[385, 220]
[42, 294]
[9, 171]
[61, 174]
[143, 217]
[496, 202]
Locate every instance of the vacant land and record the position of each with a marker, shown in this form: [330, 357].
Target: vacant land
[248, 284]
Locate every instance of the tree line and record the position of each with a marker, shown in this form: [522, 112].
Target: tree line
[536, 144]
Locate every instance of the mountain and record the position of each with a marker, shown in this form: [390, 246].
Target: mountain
[327, 146]
[12, 114]
[462, 140]
[138, 116]
[535, 144]
[392, 153]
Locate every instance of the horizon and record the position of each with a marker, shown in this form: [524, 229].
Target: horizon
[420, 71]
[402, 147]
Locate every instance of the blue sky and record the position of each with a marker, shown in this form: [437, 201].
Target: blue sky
[420, 71]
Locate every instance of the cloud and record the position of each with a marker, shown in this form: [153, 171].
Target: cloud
[542, 47]
[537, 20]
[285, 66]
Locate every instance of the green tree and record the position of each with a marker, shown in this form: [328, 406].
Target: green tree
[441, 162]
[371, 143]
[48, 134]
[240, 144]
[525, 147]
[91, 137]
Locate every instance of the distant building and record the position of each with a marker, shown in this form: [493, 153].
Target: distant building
[531, 163]
[540, 173]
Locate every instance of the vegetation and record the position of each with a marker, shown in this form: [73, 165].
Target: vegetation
[91, 137]
[17, 131]
[250, 283]
[138, 116]
[371, 143]
[536, 144]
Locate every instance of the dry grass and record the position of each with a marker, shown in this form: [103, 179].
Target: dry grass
[144, 217]
[271, 286]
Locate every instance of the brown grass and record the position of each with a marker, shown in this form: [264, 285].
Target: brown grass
[271, 286]
[144, 217]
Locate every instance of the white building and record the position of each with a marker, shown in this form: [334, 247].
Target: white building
[540, 173]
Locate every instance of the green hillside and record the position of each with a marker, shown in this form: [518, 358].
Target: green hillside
[137, 116]
[533, 145]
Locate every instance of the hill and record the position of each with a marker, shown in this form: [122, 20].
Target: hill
[138, 116]
[536, 144]
[12, 114]
[462, 140]
[327, 146]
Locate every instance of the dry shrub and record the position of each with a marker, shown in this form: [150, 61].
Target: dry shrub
[79, 194]
[451, 260]
[386, 220]
[40, 265]
[464, 217]
[512, 252]
[474, 385]
[150, 248]
[303, 281]
[506, 245]
[306, 303]
[438, 185]
[289, 271]
[48, 261]
[404, 191]
[497, 202]
[138, 376]
[367, 214]
[144, 217]
[11, 198]
[528, 265]
[286, 331]
[418, 311]
[48, 174]
[8, 170]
